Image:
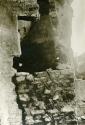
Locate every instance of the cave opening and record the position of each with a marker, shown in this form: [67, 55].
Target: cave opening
[37, 42]
[35, 56]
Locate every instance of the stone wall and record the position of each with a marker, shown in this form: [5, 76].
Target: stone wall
[46, 98]
[21, 7]
[46, 93]
[10, 114]
[63, 31]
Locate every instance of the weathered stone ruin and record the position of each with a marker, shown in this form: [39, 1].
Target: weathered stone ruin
[36, 71]
[49, 37]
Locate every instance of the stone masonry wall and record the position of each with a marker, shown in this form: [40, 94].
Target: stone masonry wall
[47, 98]
[10, 114]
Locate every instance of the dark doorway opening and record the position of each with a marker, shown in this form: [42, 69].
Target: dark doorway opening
[36, 56]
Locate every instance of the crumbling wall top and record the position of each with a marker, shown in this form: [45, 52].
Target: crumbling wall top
[21, 7]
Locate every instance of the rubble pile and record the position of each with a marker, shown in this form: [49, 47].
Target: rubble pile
[46, 98]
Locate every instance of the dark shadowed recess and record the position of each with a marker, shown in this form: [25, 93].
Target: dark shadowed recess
[44, 6]
[38, 47]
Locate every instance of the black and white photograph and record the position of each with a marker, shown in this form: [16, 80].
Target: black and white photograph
[42, 62]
